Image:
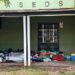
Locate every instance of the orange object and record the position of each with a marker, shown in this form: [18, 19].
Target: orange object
[47, 54]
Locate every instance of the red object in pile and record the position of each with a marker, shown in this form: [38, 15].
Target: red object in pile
[58, 57]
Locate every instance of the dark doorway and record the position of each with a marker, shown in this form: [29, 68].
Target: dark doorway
[48, 36]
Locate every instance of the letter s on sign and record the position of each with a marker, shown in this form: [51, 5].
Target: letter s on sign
[60, 3]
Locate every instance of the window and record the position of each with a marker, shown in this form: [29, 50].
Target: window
[48, 34]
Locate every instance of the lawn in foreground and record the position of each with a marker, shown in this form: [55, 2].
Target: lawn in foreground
[33, 71]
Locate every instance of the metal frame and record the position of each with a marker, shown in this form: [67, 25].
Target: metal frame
[24, 38]
[28, 36]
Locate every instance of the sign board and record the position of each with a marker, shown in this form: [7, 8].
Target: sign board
[36, 4]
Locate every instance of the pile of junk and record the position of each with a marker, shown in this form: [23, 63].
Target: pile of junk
[36, 56]
[47, 56]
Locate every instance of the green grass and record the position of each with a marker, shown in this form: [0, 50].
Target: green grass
[32, 71]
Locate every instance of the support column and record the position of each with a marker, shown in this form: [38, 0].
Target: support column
[28, 37]
[24, 38]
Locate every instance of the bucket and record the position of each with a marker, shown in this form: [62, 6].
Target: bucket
[73, 57]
